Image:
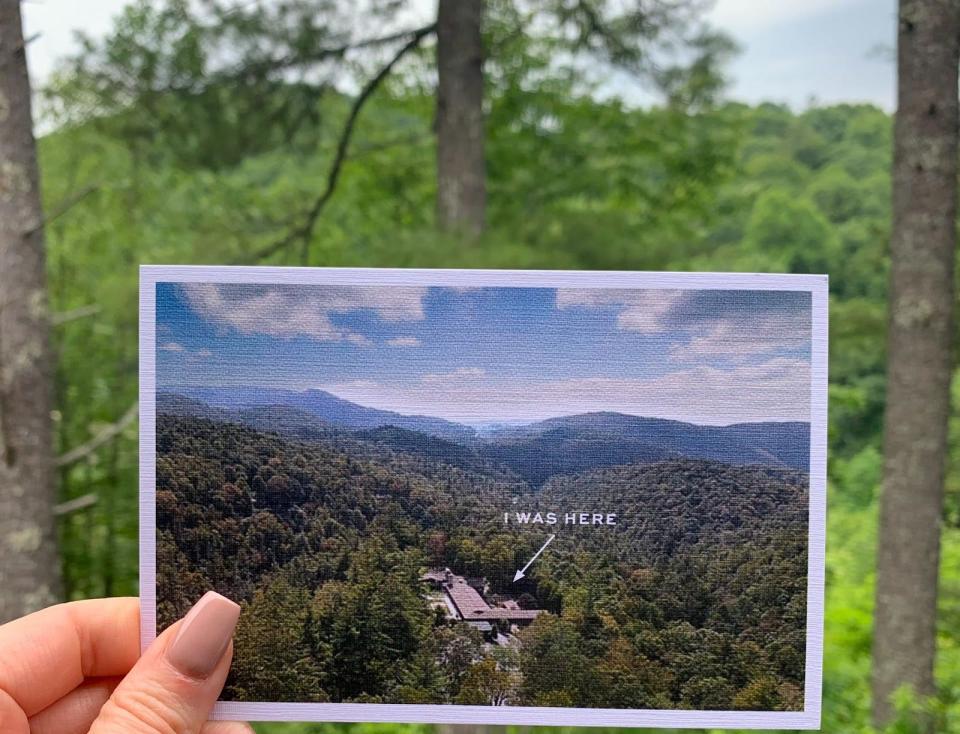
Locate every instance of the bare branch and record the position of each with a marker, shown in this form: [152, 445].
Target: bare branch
[77, 503]
[28, 40]
[304, 231]
[64, 206]
[58, 319]
[261, 68]
[304, 59]
[105, 436]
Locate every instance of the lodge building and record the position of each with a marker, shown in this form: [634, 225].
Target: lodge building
[468, 605]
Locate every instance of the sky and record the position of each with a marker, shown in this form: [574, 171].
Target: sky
[484, 355]
[793, 51]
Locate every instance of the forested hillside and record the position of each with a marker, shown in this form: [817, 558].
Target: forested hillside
[696, 599]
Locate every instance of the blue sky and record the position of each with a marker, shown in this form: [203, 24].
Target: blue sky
[497, 354]
[793, 51]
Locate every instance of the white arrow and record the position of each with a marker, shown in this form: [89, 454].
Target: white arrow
[521, 573]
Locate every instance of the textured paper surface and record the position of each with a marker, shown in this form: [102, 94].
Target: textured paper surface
[505, 497]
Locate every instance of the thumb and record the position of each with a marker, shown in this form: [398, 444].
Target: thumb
[175, 683]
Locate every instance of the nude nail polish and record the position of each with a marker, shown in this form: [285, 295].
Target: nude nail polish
[204, 635]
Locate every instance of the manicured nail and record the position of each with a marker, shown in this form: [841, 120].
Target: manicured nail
[204, 635]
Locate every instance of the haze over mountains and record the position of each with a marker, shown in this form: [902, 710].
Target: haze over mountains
[326, 407]
[534, 451]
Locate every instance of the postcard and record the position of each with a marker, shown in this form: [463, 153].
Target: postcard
[500, 497]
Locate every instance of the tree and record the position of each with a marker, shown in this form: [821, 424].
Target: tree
[554, 666]
[460, 647]
[275, 661]
[791, 231]
[919, 358]
[461, 169]
[486, 685]
[209, 85]
[664, 43]
[30, 572]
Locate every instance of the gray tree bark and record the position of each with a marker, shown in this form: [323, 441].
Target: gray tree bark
[29, 563]
[461, 168]
[919, 349]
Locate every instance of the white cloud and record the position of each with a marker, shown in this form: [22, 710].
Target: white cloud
[727, 324]
[757, 335]
[404, 341]
[778, 389]
[359, 339]
[191, 355]
[291, 311]
[455, 377]
[641, 310]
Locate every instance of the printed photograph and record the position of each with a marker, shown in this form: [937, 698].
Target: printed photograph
[575, 497]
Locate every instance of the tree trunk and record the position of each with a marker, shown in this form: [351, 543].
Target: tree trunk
[29, 564]
[461, 169]
[919, 349]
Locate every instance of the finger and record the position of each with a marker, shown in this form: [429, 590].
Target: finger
[175, 684]
[12, 718]
[75, 712]
[49, 653]
[226, 727]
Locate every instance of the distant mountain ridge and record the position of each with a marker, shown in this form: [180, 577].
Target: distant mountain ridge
[170, 403]
[535, 451]
[328, 408]
[567, 450]
[777, 444]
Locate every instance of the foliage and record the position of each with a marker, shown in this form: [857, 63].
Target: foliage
[576, 181]
[699, 592]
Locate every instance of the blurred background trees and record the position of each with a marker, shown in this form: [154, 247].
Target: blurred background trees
[312, 132]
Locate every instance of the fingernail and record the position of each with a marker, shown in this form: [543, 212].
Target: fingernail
[204, 635]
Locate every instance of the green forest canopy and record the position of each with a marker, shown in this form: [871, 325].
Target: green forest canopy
[696, 599]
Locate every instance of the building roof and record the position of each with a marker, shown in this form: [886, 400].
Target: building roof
[467, 599]
[472, 606]
[435, 575]
[510, 614]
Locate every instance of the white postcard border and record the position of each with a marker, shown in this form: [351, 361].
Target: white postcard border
[816, 285]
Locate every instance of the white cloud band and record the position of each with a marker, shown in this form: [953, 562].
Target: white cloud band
[778, 389]
[292, 311]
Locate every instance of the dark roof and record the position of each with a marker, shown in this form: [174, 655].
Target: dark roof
[510, 614]
[472, 606]
[434, 574]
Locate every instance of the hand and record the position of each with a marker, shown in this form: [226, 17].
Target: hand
[76, 668]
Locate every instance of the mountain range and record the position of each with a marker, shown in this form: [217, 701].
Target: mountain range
[534, 451]
[776, 444]
[327, 407]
